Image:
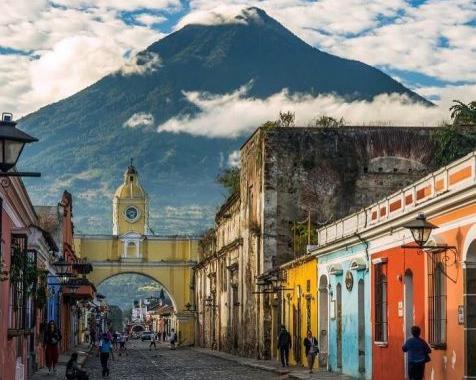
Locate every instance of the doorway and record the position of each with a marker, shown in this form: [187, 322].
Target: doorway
[469, 275]
[323, 321]
[361, 322]
[408, 316]
[339, 325]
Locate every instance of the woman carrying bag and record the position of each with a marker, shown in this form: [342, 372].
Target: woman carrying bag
[311, 347]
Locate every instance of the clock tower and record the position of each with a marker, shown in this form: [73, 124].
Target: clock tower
[130, 207]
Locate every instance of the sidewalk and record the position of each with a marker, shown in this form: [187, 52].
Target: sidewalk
[274, 366]
[82, 350]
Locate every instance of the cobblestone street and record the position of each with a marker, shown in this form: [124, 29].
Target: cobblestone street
[181, 364]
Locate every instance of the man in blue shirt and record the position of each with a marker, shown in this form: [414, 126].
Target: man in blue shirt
[418, 354]
[105, 347]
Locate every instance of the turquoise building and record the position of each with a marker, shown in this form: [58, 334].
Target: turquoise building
[344, 310]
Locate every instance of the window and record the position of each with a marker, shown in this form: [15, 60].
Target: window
[381, 306]
[437, 303]
[21, 267]
[308, 313]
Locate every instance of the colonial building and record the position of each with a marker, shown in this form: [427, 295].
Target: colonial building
[131, 248]
[287, 176]
[377, 282]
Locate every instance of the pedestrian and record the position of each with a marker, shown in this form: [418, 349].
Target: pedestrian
[114, 340]
[173, 339]
[284, 345]
[122, 343]
[73, 370]
[105, 348]
[51, 341]
[92, 336]
[164, 336]
[418, 354]
[311, 347]
[153, 339]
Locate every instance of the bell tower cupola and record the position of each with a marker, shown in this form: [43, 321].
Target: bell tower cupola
[130, 207]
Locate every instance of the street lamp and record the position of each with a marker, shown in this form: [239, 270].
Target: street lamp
[420, 229]
[12, 142]
[61, 268]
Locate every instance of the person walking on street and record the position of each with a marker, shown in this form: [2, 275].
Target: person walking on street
[418, 352]
[173, 339]
[52, 339]
[122, 343]
[284, 345]
[105, 348]
[153, 339]
[73, 370]
[311, 347]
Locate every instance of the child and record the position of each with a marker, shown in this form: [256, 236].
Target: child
[73, 370]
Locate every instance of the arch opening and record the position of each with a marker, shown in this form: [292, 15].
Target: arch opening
[140, 299]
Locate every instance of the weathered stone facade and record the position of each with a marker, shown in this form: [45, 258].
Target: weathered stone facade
[287, 174]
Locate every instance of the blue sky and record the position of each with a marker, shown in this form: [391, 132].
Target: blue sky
[50, 49]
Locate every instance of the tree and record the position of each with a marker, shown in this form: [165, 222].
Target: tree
[328, 122]
[229, 178]
[285, 120]
[453, 142]
[463, 113]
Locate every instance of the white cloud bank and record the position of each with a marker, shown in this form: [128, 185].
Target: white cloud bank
[140, 120]
[234, 114]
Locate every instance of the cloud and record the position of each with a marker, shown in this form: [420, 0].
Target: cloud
[150, 19]
[220, 14]
[234, 159]
[142, 63]
[140, 120]
[62, 49]
[216, 112]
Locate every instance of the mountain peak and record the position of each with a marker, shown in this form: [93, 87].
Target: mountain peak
[228, 15]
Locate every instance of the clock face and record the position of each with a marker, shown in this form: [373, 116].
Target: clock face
[131, 213]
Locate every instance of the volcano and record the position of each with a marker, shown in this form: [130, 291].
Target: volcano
[87, 139]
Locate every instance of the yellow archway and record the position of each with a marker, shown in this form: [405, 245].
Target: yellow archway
[167, 260]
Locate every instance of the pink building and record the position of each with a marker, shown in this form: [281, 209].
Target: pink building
[24, 251]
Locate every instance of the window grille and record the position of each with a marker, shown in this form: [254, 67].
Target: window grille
[436, 302]
[308, 314]
[18, 296]
[381, 304]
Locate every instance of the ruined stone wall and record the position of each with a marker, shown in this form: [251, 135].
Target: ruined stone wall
[333, 172]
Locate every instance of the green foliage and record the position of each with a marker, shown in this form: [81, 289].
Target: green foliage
[41, 296]
[328, 122]
[23, 270]
[463, 113]
[300, 233]
[229, 178]
[451, 144]
[285, 120]
[452, 141]
[116, 317]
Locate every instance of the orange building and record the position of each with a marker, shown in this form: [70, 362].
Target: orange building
[433, 287]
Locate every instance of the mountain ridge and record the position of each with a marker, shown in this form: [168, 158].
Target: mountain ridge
[85, 145]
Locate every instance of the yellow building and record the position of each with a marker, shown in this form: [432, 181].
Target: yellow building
[131, 249]
[300, 303]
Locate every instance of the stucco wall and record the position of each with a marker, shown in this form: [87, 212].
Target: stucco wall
[350, 347]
